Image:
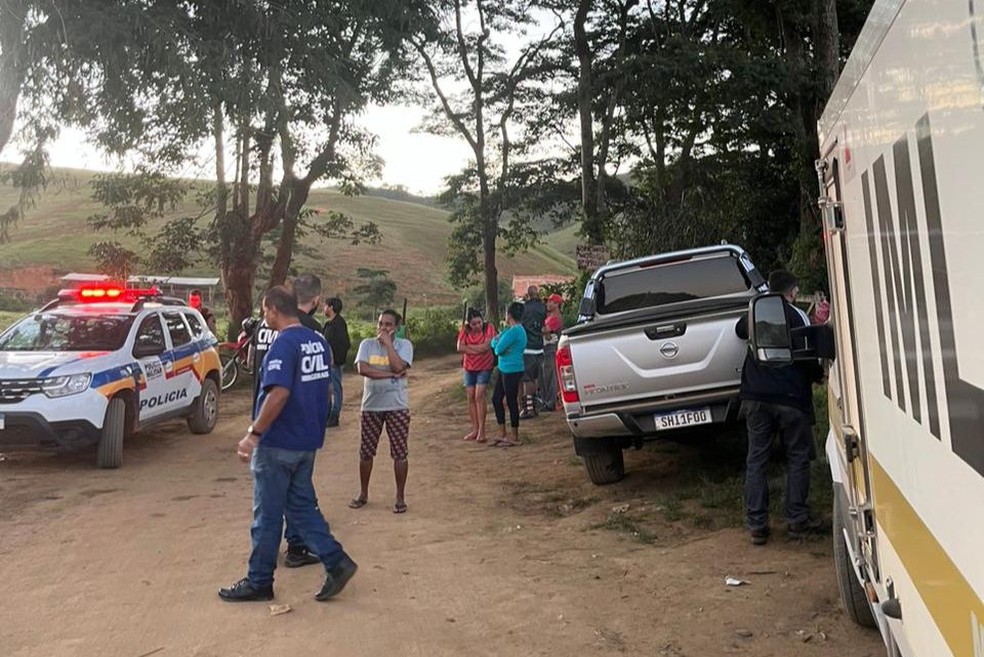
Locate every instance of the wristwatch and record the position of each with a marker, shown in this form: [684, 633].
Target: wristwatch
[254, 431]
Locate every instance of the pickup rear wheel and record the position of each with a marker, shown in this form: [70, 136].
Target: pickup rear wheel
[110, 453]
[851, 592]
[605, 467]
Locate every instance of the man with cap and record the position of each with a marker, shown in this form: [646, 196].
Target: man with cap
[552, 326]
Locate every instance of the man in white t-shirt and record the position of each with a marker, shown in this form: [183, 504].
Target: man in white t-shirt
[383, 361]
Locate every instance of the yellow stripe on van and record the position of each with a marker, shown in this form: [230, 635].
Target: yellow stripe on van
[943, 588]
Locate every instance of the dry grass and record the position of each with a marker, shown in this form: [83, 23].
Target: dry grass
[413, 247]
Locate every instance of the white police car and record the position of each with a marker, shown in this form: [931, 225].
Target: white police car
[98, 364]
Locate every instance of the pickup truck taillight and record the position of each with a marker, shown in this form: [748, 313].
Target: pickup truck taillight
[565, 374]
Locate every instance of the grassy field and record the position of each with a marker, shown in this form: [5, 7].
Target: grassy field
[412, 250]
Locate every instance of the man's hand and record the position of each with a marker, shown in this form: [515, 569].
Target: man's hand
[246, 446]
[384, 337]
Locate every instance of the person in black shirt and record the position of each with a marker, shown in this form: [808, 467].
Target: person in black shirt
[534, 315]
[337, 335]
[307, 289]
[778, 403]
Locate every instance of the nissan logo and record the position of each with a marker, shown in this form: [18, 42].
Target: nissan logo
[669, 350]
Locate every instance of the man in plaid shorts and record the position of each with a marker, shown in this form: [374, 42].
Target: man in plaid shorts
[384, 361]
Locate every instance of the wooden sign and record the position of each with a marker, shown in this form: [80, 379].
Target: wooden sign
[591, 256]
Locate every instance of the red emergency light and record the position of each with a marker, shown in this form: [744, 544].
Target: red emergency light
[104, 293]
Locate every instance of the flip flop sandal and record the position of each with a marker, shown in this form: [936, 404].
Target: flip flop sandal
[400, 507]
[358, 503]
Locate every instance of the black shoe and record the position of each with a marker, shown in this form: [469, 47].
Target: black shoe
[336, 579]
[805, 528]
[300, 556]
[243, 591]
[332, 422]
[760, 536]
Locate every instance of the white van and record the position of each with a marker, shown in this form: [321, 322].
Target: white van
[902, 177]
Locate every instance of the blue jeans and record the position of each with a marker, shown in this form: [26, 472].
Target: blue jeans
[335, 402]
[282, 486]
[793, 427]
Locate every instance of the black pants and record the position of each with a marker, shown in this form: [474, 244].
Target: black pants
[507, 386]
[765, 423]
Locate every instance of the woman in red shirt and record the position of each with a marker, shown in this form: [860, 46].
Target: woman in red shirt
[473, 342]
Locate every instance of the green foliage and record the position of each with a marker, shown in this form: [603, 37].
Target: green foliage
[14, 304]
[434, 331]
[114, 260]
[475, 296]
[377, 292]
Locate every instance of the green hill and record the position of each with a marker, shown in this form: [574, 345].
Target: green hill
[413, 247]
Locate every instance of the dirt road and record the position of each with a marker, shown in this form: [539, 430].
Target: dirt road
[502, 552]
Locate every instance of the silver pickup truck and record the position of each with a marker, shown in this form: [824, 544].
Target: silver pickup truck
[654, 351]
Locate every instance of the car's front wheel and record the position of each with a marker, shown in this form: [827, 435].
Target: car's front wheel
[205, 412]
[110, 453]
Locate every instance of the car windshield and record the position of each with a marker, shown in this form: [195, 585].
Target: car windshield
[55, 331]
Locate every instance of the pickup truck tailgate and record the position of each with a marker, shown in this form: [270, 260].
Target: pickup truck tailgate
[658, 359]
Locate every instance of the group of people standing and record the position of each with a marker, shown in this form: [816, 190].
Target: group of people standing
[525, 355]
[298, 397]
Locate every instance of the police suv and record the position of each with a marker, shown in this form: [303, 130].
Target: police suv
[99, 363]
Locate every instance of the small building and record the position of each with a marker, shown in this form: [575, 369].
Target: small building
[522, 283]
[178, 286]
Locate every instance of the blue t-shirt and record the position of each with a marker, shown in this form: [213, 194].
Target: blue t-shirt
[299, 360]
[509, 346]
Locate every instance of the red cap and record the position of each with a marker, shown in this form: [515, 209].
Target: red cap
[556, 298]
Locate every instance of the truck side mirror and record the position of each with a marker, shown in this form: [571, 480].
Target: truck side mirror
[587, 307]
[768, 330]
[774, 343]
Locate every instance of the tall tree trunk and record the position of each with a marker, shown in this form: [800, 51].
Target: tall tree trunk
[827, 50]
[239, 276]
[299, 192]
[13, 65]
[221, 191]
[591, 220]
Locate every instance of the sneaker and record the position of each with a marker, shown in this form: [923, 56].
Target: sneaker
[336, 579]
[300, 556]
[759, 536]
[805, 528]
[243, 591]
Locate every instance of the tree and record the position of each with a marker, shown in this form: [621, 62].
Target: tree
[378, 291]
[465, 55]
[55, 57]
[600, 84]
[282, 81]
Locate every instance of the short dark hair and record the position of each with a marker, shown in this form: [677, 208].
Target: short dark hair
[782, 281]
[282, 300]
[515, 311]
[307, 287]
[392, 313]
[335, 303]
[196, 292]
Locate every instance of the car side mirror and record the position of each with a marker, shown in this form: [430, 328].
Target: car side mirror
[147, 349]
[768, 330]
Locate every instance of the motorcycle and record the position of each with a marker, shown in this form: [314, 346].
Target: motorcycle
[238, 356]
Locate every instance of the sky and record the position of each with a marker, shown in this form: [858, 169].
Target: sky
[417, 161]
